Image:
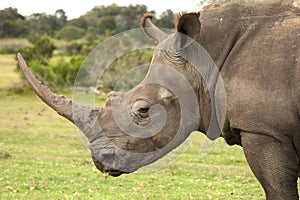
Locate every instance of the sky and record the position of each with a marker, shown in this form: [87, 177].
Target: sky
[76, 8]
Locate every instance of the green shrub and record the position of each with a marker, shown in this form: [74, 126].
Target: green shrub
[124, 73]
[41, 50]
[59, 74]
[70, 33]
[74, 48]
[121, 74]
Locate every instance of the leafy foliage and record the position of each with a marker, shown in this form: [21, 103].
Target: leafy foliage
[41, 50]
[70, 33]
[127, 71]
[59, 74]
[12, 23]
[99, 21]
[166, 20]
[77, 38]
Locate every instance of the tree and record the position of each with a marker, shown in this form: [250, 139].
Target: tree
[78, 22]
[12, 24]
[41, 23]
[61, 17]
[130, 17]
[70, 33]
[114, 18]
[166, 19]
[106, 24]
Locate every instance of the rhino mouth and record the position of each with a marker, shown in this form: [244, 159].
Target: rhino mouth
[103, 169]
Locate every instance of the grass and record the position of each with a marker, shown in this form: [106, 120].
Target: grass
[46, 160]
[13, 43]
[8, 75]
[42, 157]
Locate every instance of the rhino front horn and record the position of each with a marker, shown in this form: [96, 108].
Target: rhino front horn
[83, 116]
[59, 103]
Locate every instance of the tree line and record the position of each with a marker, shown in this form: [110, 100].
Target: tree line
[101, 20]
[54, 34]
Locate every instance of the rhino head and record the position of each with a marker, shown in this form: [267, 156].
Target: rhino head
[140, 126]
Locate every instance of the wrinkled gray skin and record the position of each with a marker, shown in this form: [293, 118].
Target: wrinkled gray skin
[256, 49]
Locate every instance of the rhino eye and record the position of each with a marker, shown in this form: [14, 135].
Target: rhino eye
[141, 108]
[144, 110]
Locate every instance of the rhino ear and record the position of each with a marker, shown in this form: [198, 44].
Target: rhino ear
[151, 30]
[189, 24]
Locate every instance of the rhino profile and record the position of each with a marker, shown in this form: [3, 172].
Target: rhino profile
[255, 46]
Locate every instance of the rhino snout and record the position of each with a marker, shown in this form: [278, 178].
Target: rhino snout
[104, 169]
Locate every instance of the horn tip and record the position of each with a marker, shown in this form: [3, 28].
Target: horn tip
[145, 17]
[21, 60]
[20, 57]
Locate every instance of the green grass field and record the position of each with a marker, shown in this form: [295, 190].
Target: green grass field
[8, 76]
[42, 157]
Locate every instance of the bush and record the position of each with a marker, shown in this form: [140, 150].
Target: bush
[70, 33]
[59, 74]
[122, 74]
[74, 48]
[41, 50]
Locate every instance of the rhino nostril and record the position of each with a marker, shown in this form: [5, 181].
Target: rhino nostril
[98, 164]
[104, 161]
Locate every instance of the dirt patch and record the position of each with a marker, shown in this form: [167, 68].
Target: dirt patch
[4, 155]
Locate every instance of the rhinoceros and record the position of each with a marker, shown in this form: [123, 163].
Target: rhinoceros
[254, 46]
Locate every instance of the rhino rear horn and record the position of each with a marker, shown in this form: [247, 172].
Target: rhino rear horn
[61, 104]
[151, 30]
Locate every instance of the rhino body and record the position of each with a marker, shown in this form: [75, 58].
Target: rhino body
[255, 47]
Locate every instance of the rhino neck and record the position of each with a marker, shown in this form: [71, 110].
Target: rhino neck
[219, 32]
[219, 35]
